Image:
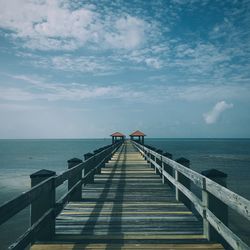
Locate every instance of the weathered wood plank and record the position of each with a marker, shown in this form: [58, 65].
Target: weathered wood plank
[128, 236]
[125, 246]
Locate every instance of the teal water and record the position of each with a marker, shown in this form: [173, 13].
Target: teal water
[20, 158]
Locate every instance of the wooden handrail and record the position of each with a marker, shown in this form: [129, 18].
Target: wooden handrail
[30, 235]
[206, 185]
[14, 206]
[233, 200]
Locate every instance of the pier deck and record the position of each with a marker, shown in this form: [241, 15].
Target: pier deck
[127, 207]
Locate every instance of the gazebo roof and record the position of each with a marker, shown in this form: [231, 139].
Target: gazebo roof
[137, 133]
[117, 134]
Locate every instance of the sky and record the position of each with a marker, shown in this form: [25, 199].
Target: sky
[86, 69]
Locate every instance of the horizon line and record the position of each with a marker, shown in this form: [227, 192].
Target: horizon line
[107, 138]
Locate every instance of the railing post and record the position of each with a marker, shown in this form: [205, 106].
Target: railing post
[108, 154]
[43, 203]
[176, 176]
[159, 161]
[77, 194]
[168, 169]
[148, 156]
[97, 159]
[89, 166]
[145, 153]
[205, 200]
[216, 206]
[152, 157]
[87, 156]
[184, 181]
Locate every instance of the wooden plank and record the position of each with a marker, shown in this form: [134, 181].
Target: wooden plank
[113, 214]
[125, 246]
[127, 236]
[140, 219]
[159, 203]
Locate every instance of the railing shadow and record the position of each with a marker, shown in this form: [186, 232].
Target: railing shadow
[116, 213]
[96, 212]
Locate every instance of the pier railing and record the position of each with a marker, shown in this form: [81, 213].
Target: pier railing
[42, 195]
[212, 207]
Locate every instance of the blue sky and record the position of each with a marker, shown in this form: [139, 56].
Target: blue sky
[84, 69]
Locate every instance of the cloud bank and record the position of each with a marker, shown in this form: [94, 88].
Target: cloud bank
[56, 25]
[213, 115]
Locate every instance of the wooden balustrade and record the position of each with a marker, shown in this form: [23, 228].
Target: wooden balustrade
[215, 196]
[41, 196]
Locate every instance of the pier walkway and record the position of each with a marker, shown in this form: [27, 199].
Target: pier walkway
[127, 207]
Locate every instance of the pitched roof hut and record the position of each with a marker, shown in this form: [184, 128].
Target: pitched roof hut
[140, 136]
[117, 136]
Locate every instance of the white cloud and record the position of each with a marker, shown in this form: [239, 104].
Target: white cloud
[213, 115]
[81, 63]
[35, 88]
[15, 94]
[198, 92]
[39, 89]
[99, 65]
[70, 93]
[201, 58]
[53, 25]
[147, 56]
[128, 33]
[153, 62]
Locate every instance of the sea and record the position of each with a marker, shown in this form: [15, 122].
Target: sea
[20, 158]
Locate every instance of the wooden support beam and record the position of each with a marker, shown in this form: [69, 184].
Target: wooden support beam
[216, 206]
[168, 169]
[184, 181]
[44, 202]
[73, 179]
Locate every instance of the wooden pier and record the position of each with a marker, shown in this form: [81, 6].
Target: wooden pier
[123, 200]
[127, 203]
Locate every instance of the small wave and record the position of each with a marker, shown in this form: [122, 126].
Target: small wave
[230, 157]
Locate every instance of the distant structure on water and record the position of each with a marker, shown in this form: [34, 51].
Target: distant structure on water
[135, 136]
[140, 136]
[117, 136]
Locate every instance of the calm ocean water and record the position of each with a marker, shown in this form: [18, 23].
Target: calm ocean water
[20, 158]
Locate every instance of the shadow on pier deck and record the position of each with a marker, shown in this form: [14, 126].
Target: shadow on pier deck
[127, 207]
